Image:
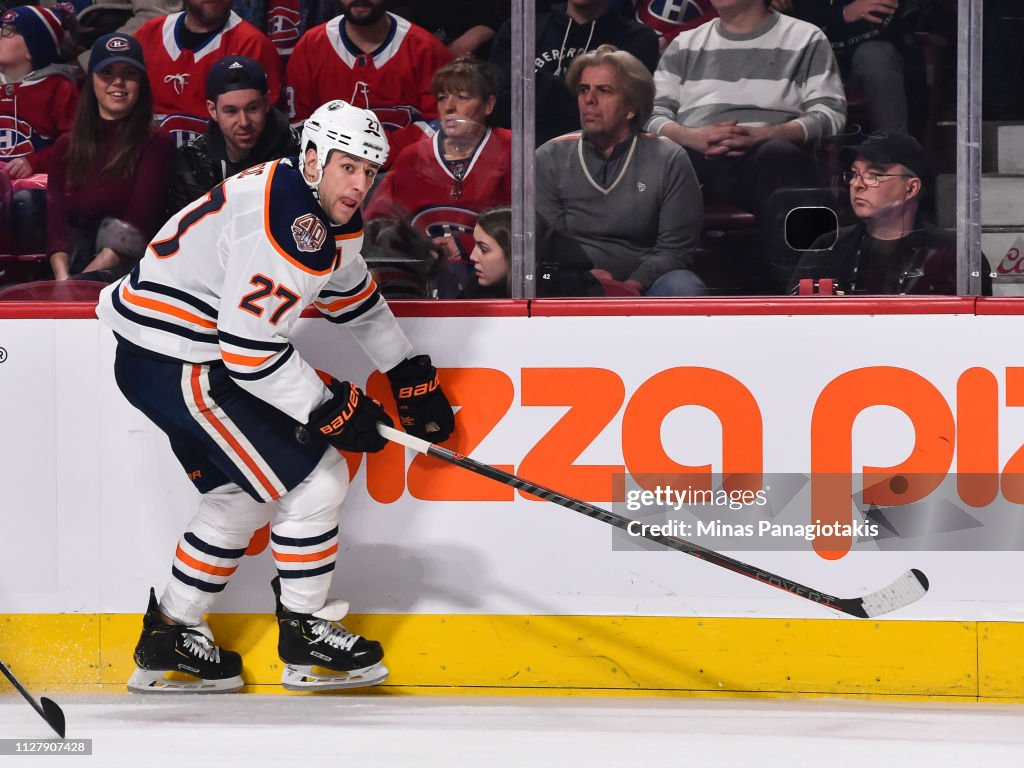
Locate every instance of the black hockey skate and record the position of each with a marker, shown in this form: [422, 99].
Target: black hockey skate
[190, 652]
[319, 654]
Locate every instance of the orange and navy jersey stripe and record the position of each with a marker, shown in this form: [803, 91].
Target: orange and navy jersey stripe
[231, 439]
[344, 306]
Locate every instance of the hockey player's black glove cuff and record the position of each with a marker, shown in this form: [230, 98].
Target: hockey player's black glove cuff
[422, 407]
[349, 419]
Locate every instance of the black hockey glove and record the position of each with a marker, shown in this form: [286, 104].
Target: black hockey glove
[349, 419]
[422, 407]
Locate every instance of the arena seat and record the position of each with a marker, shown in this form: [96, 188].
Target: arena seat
[728, 239]
[19, 267]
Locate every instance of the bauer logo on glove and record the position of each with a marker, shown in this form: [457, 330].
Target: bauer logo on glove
[422, 406]
[348, 421]
[419, 390]
[338, 422]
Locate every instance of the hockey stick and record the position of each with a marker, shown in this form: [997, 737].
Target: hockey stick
[46, 708]
[909, 587]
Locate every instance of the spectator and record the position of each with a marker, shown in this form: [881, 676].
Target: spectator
[668, 19]
[108, 185]
[244, 130]
[566, 31]
[37, 104]
[102, 17]
[285, 21]
[180, 49]
[561, 270]
[404, 263]
[466, 27]
[749, 136]
[374, 60]
[629, 199]
[866, 37]
[890, 249]
[441, 184]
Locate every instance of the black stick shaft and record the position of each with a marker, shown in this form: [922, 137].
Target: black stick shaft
[619, 521]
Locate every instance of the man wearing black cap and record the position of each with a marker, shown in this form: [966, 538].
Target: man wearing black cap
[244, 130]
[890, 250]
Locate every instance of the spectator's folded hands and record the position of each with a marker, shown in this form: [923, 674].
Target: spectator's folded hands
[711, 138]
[735, 140]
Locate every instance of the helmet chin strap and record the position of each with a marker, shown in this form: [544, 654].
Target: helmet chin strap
[314, 185]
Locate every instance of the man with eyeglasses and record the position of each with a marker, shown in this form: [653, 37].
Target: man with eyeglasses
[890, 250]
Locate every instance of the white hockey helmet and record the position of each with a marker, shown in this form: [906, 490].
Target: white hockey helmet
[337, 125]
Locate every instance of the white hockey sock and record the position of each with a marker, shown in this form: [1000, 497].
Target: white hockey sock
[209, 551]
[304, 537]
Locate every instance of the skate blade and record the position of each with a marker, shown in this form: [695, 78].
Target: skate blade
[154, 681]
[297, 677]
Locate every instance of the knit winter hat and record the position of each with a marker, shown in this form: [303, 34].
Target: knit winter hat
[41, 29]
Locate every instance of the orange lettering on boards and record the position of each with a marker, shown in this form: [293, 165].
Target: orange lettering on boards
[977, 440]
[483, 397]
[832, 422]
[385, 469]
[726, 397]
[1013, 472]
[595, 396]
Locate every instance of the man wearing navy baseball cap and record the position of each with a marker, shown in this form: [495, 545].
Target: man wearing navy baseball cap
[890, 250]
[244, 130]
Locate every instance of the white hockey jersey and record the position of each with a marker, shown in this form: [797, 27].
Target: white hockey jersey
[227, 278]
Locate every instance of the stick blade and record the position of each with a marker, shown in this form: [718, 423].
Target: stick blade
[53, 715]
[908, 588]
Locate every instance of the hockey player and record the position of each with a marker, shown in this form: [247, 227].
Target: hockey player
[180, 49]
[375, 60]
[203, 326]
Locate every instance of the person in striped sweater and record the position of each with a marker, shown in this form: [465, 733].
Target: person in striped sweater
[747, 95]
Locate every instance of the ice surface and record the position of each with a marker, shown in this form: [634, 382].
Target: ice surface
[381, 730]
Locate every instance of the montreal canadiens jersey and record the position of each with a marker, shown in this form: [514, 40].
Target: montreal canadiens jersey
[670, 17]
[227, 278]
[393, 81]
[33, 115]
[178, 75]
[422, 189]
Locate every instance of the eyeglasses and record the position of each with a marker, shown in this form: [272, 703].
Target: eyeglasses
[9, 30]
[870, 178]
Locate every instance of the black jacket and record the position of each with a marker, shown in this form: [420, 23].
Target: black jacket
[922, 263]
[828, 15]
[203, 163]
[559, 41]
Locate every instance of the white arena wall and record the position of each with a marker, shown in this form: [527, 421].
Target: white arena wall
[93, 501]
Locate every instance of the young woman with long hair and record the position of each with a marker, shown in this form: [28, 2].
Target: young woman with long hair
[106, 193]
